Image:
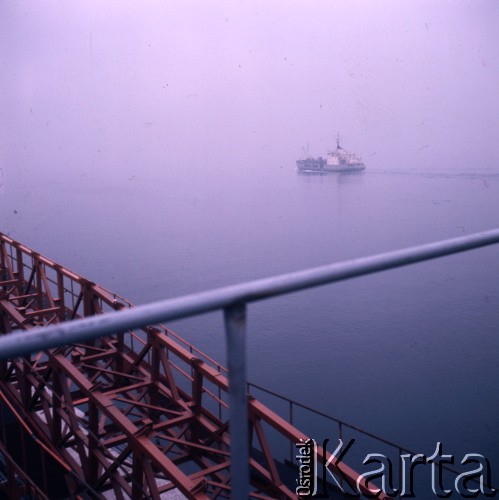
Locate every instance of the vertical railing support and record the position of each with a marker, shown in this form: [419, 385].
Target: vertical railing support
[235, 330]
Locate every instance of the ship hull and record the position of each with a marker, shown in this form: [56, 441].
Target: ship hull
[319, 165]
[346, 168]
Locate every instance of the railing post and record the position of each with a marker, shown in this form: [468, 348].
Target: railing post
[235, 331]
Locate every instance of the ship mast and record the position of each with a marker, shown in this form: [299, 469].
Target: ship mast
[338, 140]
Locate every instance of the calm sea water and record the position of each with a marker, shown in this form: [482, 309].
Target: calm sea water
[410, 354]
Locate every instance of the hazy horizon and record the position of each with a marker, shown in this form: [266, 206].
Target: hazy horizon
[123, 88]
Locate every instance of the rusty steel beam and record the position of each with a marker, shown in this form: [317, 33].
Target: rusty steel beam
[128, 413]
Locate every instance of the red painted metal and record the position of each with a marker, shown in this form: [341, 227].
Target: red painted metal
[136, 414]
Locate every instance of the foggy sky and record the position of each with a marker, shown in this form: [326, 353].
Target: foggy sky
[115, 86]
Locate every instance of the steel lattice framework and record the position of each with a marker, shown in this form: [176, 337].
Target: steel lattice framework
[133, 415]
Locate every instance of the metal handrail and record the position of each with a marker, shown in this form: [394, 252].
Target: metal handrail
[233, 300]
[221, 298]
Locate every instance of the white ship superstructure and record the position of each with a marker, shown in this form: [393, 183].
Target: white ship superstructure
[343, 161]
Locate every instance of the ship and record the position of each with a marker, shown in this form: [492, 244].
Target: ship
[338, 160]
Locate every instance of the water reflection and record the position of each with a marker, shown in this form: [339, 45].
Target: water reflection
[332, 177]
[350, 177]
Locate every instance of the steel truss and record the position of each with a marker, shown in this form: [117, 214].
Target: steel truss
[133, 415]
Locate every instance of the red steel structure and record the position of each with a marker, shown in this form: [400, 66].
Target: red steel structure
[135, 415]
